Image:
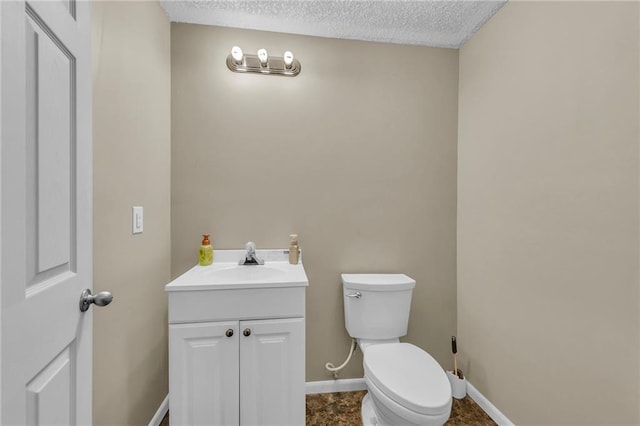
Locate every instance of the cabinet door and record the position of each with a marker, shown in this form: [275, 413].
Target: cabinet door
[272, 376]
[203, 374]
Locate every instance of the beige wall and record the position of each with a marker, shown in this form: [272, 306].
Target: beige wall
[357, 154]
[548, 212]
[131, 130]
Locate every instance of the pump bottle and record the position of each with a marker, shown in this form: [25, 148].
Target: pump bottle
[294, 250]
[205, 257]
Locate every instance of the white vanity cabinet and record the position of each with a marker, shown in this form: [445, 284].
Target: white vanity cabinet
[220, 376]
[237, 350]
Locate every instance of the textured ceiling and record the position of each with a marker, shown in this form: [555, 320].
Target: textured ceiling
[423, 22]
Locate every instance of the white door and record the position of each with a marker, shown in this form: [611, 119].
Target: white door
[203, 373]
[272, 376]
[45, 212]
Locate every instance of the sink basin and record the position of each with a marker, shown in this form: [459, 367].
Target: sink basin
[253, 273]
[225, 273]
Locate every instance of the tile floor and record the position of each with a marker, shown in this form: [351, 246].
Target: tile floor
[343, 409]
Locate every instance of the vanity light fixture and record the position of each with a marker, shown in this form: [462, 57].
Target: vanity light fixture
[262, 63]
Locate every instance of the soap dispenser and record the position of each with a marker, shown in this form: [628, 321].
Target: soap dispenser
[294, 250]
[205, 257]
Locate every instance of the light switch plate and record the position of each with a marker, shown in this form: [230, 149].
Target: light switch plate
[137, 219]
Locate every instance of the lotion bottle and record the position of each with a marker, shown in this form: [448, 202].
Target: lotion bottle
[294, 250]
[205, 257]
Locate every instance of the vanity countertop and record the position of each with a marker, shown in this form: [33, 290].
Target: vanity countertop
[226, 274]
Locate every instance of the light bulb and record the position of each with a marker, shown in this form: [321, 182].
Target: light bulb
[288, 59]
[263, 56]
[236, 54]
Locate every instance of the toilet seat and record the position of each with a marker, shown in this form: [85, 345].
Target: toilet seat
[408, 376]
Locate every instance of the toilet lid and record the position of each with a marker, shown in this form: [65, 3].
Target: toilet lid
[409, 376]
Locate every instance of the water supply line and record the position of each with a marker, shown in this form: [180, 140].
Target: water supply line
[335, 369]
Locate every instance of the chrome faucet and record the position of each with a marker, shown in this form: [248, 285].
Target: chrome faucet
[250, 257]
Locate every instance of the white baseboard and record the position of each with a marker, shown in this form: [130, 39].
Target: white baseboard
[340, 385]
[487, 406]
[162, 411]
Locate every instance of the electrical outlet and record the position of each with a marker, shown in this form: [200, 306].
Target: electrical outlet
[137, 220]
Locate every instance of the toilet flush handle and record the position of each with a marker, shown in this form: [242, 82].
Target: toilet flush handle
[357, 295]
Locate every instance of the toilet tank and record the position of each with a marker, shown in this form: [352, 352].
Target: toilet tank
[382, 310]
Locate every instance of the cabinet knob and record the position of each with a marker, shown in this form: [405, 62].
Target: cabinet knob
[247, 332]
[229, 332]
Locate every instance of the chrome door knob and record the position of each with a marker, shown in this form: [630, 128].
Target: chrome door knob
[100, 299]
[229, 332]
[247, 332]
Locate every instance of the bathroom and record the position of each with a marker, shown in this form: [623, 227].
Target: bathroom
[385, 158]
[502, 176]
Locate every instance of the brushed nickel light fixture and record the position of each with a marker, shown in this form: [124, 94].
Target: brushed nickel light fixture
[262, 63]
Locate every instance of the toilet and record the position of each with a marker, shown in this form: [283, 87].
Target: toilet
[406, 385]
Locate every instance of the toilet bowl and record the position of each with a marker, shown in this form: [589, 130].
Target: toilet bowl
[406, 385]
